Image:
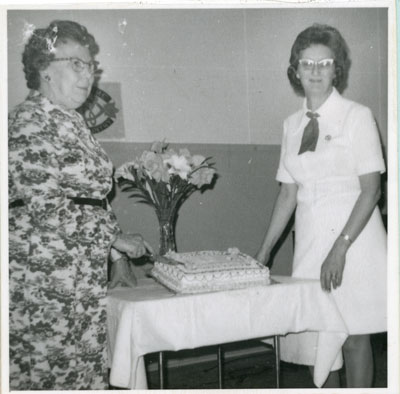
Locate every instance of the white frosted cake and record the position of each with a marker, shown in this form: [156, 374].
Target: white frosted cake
[204, 271]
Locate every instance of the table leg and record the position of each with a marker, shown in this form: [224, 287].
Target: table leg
[161, 369]
[219, 357]
[277, 360]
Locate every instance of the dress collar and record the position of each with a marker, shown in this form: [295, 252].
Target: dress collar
[324, 108]
[38, 97]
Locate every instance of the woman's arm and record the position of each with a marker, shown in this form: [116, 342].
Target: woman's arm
[132, 244]
[333, 266]
[283, 209]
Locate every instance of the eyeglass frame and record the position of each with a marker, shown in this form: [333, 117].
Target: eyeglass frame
[91, 66]
[318, 64]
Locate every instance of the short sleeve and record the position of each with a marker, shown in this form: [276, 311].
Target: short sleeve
[282, 174]
[365, 142]
[31, 157]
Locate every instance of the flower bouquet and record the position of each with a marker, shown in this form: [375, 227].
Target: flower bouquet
[164, 179]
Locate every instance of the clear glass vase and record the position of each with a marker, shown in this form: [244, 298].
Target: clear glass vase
[167, 233]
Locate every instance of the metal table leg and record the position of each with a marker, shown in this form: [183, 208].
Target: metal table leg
[219, 358]
[161, 369]
[277, 360]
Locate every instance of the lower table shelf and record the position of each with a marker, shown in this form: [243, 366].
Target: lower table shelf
[161, 358]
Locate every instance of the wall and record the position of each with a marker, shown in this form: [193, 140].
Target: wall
[213, 76]
[233, 213]
[213, 80]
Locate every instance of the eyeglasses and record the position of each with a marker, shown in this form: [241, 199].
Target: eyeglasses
[308, 64]
[79, 65]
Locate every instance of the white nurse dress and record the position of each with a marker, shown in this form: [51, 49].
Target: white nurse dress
[328, 187]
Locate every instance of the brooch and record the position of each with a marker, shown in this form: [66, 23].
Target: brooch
[328, 138]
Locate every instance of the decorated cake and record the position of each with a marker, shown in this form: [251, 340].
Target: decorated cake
[204, 271]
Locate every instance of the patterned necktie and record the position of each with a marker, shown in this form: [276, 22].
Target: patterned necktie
[310, 134]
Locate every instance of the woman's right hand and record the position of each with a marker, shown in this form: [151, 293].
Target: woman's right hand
[132, 244]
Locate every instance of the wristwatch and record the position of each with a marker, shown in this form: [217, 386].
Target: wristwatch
[346, 237]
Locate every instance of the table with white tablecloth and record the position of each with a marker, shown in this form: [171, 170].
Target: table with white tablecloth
[149, 318]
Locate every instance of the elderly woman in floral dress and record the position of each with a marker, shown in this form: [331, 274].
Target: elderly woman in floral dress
[61, 226]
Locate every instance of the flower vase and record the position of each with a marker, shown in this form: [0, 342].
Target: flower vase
[167, 234]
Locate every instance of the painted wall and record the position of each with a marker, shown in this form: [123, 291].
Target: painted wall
[213, 80]
[213, 75]
[233, 213]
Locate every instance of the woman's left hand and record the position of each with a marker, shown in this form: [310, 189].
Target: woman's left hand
[333, 266]
[133, 245]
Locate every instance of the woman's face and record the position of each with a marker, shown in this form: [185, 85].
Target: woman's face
[316, 80]
[65, 84]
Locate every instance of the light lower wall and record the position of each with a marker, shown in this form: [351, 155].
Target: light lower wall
[234, 213]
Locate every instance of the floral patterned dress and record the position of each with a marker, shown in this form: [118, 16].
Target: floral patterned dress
[57, 249]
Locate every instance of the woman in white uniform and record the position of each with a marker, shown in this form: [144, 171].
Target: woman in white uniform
[330, 166]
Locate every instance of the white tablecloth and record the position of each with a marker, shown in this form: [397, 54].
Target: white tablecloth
[149, 318]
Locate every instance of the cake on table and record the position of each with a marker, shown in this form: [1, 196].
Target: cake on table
[204, 271]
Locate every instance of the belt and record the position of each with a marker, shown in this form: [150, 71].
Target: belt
[89, 201]
[77, 200]
[16, 203]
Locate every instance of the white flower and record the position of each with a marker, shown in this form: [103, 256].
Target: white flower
[123, 172]
[185, 152]
[158, 146]
[202, 176]
[197, 160]
[178, 165]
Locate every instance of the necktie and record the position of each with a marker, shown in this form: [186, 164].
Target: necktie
[310, 134]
